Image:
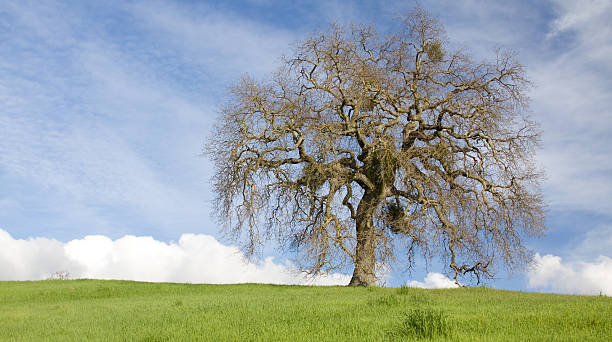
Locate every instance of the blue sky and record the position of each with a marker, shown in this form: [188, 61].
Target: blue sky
[104, 107]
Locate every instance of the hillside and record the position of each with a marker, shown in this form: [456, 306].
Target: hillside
[97, 310]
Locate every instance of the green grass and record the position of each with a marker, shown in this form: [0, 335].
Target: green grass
[95, 310]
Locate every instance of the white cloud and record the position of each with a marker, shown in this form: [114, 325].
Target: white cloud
[30, 259]
[591, 278]
[195, 258]
[433, 280]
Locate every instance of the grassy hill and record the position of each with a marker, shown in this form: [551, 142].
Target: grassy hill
[96, 310]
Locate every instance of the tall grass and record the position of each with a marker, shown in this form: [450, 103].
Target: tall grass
[93, 310]
[424, 323]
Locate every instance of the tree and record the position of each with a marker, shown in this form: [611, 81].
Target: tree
[360, 146]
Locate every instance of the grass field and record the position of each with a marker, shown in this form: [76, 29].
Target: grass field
[96, 310]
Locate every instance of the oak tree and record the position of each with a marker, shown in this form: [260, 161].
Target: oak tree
[361, 146]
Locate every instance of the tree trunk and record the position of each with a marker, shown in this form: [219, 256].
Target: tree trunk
[365, 251]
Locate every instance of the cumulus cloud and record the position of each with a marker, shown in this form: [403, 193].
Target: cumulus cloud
[30, 259]
[195, 258]
[433, 280]
[590, 278]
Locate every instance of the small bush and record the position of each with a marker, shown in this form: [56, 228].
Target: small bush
[424, 323]
[60, 275]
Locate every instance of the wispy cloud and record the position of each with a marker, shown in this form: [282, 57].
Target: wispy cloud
[596, 242]
[566, 46]
[221, 42]
[93, 169]
[195, 258]
[587, 24]
[109, 130]
[573, 101]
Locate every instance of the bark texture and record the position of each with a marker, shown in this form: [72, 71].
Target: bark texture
[364, 273]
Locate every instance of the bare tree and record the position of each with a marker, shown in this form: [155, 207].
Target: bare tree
[362, 145]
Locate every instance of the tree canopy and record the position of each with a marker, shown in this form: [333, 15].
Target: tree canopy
[362, 146]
